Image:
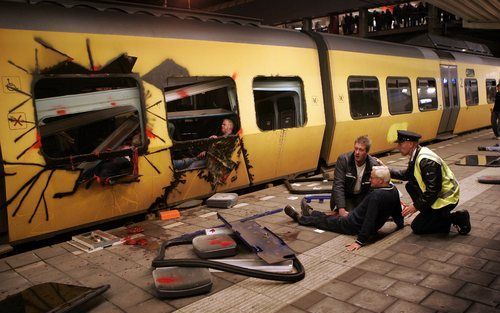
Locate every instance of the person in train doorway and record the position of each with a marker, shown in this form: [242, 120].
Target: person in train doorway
[495, 114]
[432, 187]
[365, 219]
[227, 127]
[351, 181]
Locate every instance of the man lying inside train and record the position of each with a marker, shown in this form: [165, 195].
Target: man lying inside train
[199, 160]
[365, 219]
[351, 181]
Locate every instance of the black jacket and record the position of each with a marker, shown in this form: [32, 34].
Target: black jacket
[496, 107]
[431, 176]
[345, 178]
[372, 213]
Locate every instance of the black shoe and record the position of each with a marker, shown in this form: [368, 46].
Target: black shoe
[461, 221]
[290, 211]
[305, 207]
[481, 148]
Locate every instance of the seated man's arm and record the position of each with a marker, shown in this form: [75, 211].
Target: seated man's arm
[369, 221]
[398, 218]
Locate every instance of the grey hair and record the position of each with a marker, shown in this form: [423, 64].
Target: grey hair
[382, 172]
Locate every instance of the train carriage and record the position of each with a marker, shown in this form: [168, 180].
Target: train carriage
[112, 110]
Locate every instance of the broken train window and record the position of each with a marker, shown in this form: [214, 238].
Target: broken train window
[202, 120]
[90, 120]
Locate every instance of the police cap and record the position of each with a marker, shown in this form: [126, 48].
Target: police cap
[406, 135]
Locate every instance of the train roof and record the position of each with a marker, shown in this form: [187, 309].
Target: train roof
[118, 19]
[354, 44]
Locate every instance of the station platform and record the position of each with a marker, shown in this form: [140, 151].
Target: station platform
[401, 272]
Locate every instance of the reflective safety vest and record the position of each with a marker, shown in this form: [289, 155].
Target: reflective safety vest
[450, 191]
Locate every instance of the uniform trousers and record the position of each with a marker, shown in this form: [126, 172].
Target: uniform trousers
[429, 220]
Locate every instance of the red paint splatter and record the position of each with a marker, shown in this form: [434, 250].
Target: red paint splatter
[182, 93]
[61, 112]
[38, 143]
[150, 134]
[167, 280]
[113, 104]
[234, 76]
[222, 243]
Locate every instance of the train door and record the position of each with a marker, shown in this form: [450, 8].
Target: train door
[451, 104]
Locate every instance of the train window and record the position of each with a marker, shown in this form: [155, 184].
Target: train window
[490, 90]
[426, 94]
[88, 116]
[399, 95]
[278, 102]
[364, 97]
[471, 92]
[201, 111]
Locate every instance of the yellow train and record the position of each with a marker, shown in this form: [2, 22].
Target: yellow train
[109, 111]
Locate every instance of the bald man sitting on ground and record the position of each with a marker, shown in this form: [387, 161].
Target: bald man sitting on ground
[366, 218]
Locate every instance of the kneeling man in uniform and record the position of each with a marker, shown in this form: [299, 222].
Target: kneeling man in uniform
[366, 218]
[432, 188]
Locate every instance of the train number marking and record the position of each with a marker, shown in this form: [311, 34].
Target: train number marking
[17, 120]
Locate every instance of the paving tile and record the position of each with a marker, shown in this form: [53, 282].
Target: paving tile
[306, 301]
[442, 283]
[376, 266]
[402, 306]
[473, 276]
[481, 308]
[300, 246]
[463, 248]
[445, 303]
[408, 292]
[407, 274]
[102, 307]
[406, 260]
[290, 309]
[351, 275]
[21, 259]
[489, 254]
[374, 281]
[495, 284]
[372, 301]
[437, 267]
[467, 261]
[480, 294]
[151, 306]
[435, 254]
[339, 290]
[492, 267]
[67, 262]
[486, 243]
[49, 252]
[406, 247]
[127, 295]
[4, 266]
[384, 254]
[329, 305]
